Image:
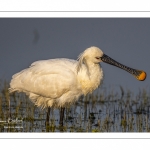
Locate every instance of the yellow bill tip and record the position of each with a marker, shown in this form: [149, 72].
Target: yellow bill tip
[142, 76]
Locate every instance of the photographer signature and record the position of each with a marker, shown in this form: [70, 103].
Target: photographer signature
[9, 120]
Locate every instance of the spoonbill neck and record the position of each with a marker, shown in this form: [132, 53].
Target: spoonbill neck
[90, 77]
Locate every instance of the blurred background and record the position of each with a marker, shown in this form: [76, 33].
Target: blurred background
[126, 40]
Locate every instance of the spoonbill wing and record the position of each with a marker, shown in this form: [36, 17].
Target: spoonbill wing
[48, 78]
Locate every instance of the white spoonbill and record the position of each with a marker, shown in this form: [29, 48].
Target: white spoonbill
[60, 82]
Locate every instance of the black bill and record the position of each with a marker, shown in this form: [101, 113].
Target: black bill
[138, 74]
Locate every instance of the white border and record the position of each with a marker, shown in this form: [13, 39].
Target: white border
[75, 14]
[74, 5]
[75, 135]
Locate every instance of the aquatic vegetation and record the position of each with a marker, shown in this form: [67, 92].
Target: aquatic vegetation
[102, 111]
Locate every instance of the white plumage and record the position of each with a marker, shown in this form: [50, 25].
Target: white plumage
[60, 82]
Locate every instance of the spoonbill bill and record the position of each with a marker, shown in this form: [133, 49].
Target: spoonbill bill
[60, 82]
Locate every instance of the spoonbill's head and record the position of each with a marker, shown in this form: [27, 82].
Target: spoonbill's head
[96, 55]
[93, 55]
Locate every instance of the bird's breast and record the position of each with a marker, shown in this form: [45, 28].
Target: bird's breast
[89, 83]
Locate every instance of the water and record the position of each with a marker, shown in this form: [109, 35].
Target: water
[102, 111]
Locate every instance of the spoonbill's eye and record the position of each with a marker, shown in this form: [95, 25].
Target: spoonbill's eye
[97, 58]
